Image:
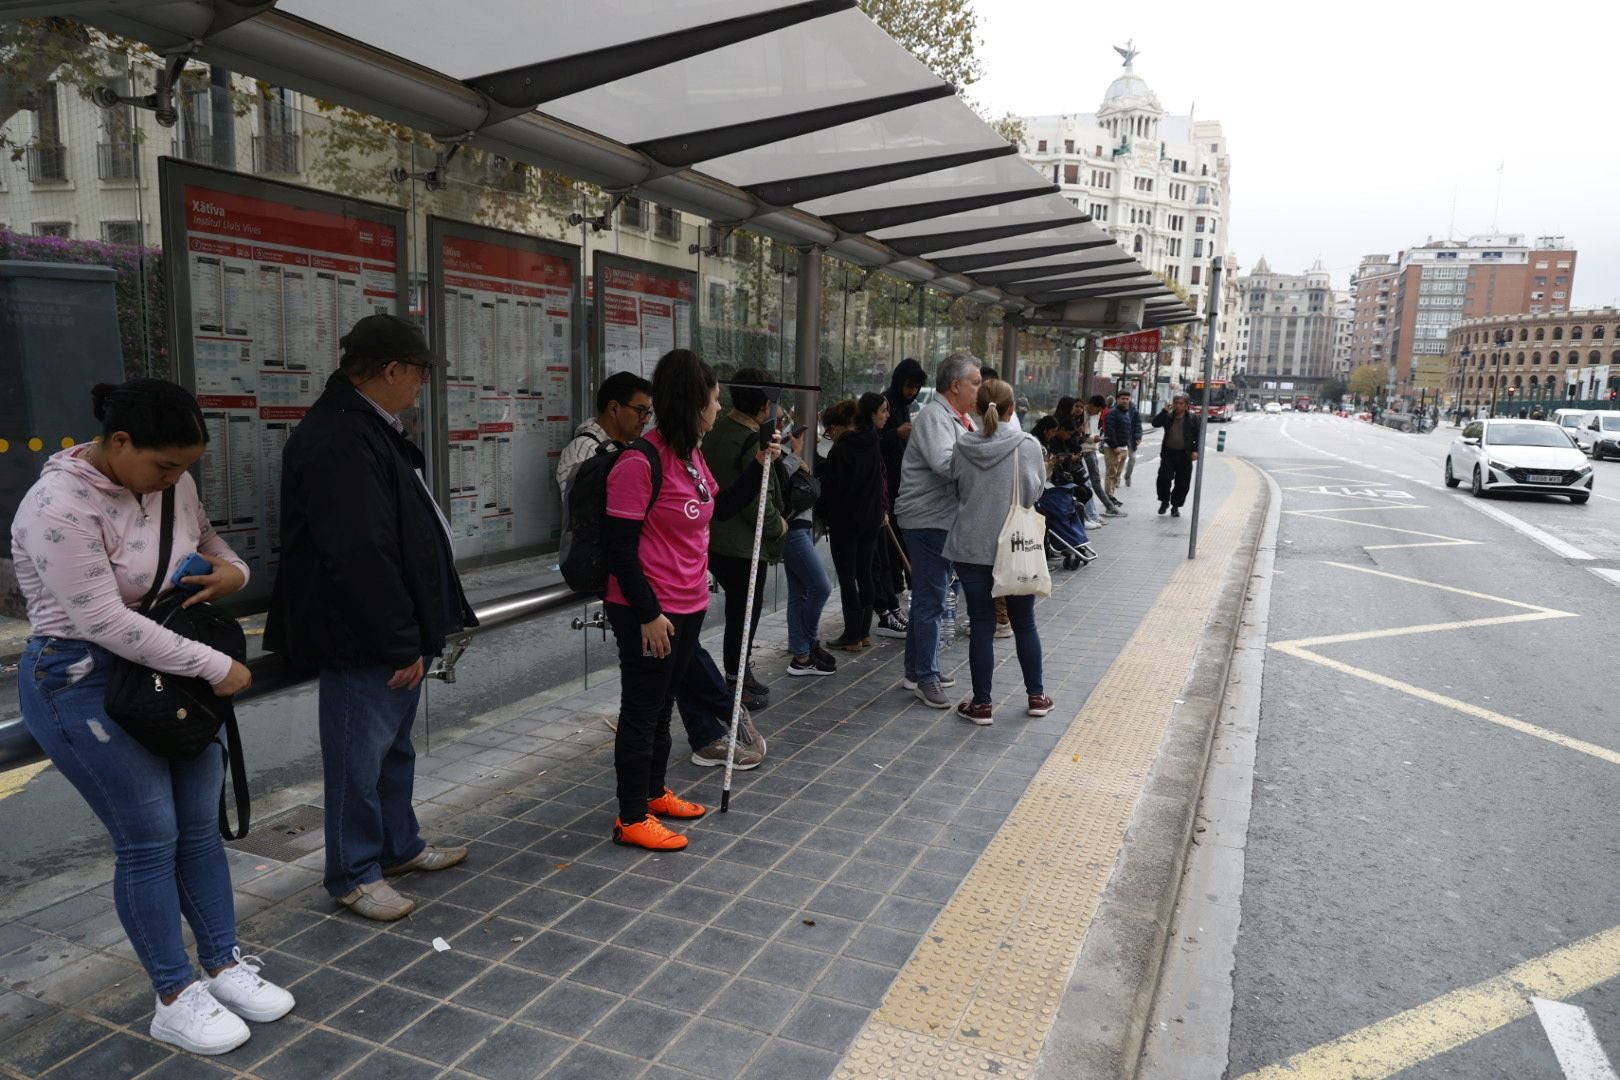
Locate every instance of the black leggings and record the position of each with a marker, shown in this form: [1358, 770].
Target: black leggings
[852, 555]
[646, 700]
[732, 574]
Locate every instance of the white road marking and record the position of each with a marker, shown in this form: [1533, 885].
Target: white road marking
[1540, 536]
[1604, 572]
[1573, 1040]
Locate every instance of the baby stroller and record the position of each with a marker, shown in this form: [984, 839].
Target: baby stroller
[1065, 531]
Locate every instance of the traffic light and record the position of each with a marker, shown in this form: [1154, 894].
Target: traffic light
[1614, 395]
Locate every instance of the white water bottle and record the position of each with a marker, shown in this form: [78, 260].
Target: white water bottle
[950, 630]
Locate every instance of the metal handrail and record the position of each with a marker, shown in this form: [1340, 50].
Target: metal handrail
[274, 675]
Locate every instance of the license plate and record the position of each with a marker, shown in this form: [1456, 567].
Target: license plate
[1544, 478]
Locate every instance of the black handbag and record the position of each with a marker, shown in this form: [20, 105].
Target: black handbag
[177, 716]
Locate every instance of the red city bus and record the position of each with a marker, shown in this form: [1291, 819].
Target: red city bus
[1220, 399]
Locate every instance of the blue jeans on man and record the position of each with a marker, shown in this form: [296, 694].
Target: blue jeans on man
[704, 700]
[808, 589]
[370, 771]
[162, 815]
[930, 581]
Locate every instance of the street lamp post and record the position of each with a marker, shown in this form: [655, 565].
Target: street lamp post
[1496, 377]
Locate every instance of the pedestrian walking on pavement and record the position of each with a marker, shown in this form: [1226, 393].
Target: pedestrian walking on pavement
[1177, 454]
[367, 594]
[925, 509]
[854, 504]
[85, 541]
[729, 449]
[987, 466]
[1122, 432]
[657, 544]
[1091, 446]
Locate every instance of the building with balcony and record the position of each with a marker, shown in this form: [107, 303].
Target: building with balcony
[1287, 331]
[1542, 359]
[1158, 183]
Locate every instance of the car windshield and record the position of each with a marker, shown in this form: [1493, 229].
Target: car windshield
[1611, 423]
[1525, 435]
[1569, 421]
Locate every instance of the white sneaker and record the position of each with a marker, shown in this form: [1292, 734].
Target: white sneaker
[198, 1023]
[240, 990]
[1003, 631]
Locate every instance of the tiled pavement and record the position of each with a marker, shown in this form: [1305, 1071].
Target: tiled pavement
[759, 951]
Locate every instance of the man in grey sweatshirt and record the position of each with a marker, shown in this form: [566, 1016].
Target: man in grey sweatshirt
[925, 509]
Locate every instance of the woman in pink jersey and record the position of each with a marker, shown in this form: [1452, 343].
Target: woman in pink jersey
[658, 591]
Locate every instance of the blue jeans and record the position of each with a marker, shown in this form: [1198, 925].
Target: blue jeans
[704, 700]
[369, 766]
[808, 590]
[930, 580]
[162, 815]
[976, 586]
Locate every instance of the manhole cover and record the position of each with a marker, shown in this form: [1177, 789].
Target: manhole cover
[289, 835]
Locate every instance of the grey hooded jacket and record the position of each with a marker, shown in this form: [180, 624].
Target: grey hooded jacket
[927, 497]
[983, 467]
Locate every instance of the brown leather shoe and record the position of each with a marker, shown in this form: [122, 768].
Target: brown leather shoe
[429, 858]
[377, 900]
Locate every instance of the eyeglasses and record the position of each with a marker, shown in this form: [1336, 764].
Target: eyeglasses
[697, 481]
[642, 411]
[425, 368]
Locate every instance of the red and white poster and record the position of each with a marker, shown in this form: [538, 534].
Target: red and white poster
[506, 315]
[273, 288]
[1145, 341]
[644, 315]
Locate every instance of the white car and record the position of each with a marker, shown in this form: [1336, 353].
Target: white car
[1518, 455]
[1273, 409]
[1601, 436]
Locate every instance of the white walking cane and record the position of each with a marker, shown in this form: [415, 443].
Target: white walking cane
[748, 626]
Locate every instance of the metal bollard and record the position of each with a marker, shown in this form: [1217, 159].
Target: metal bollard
[1220, 441]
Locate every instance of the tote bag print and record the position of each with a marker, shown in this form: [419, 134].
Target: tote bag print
[1020, 568]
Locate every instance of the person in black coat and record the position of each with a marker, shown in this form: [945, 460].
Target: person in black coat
[1177, 455]
[854, 503]
[367, 593]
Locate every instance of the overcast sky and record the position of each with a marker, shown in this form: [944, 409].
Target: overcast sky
[1356, 128]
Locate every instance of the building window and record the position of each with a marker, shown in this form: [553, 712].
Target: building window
[1071, 174]
[633, 213]
[1574, 333]
[1136, 248]
[1197, 274]
[666, 223]
[121, 232]
[62, 229]
[1040, 147]
[1068, 146]
[1541, 333]
[275, 148]
[47, 157]
[118, 154]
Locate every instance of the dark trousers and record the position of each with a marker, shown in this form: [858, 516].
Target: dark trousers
[704, 700]
[852, 555]
[732, 574]
[1175, 475]
[888, 576]
[646, 701]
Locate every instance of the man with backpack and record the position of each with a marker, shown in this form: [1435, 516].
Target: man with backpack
[623, 406]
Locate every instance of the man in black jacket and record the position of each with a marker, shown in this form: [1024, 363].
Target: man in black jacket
[1177, 455]
[888, 564]
[367, 593]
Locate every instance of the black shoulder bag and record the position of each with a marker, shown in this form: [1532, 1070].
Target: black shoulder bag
[176, 716]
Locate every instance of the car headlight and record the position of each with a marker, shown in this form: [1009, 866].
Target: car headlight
[1586, 470]
[1498, 466]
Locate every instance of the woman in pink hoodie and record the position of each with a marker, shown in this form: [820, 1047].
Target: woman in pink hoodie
[85, 541]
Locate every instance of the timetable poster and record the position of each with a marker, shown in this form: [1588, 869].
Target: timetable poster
[645, 311]
[504, 323]
[269, 284]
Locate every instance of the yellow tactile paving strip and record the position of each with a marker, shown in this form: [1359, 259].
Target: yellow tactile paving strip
[979, 995]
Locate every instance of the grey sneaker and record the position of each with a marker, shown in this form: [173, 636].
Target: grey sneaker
[929, 694]
[377, 900]
[743, 758]
[1003, 631]
[748, 735]
[944, 680]
[428, 859]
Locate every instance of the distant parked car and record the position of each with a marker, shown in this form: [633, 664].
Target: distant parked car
[1601, 436]
[1273, 409]
[1574, 422]
[1518, 455]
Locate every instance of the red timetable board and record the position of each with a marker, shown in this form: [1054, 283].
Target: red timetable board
[264, 280]
[643, 311]
[504, 318]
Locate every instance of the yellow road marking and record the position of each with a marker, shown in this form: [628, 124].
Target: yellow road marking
[1383, 1049]
[14, 780]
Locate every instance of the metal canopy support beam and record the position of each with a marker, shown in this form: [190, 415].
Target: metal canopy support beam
[921, 245]
[1030, 273]
[889, 217]
[807, 333]
[1009, 355]
[1090, 366]
[681, 151]
[521, 89]
[957, 264]
[1030, 288]
[804, 189]
[1092, 294]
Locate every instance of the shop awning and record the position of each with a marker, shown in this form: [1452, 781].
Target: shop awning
[802, 121]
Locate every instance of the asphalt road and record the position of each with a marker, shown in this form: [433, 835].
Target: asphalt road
[1430, 809]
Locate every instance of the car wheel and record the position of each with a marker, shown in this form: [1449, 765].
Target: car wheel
[1580, 500]
[1451, 481]
[1478, 487]
[1597, 454]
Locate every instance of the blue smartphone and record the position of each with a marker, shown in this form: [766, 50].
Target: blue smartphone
[194, 566]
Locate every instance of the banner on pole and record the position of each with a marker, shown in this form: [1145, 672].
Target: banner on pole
[1146, 341]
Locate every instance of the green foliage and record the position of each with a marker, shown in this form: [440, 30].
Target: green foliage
[1368, 380]
[943, 34]
[1333, 390]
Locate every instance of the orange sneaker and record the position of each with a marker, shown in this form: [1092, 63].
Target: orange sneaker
[647, 833]
[672, 805]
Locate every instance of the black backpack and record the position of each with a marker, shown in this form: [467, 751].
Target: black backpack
[582, 556]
